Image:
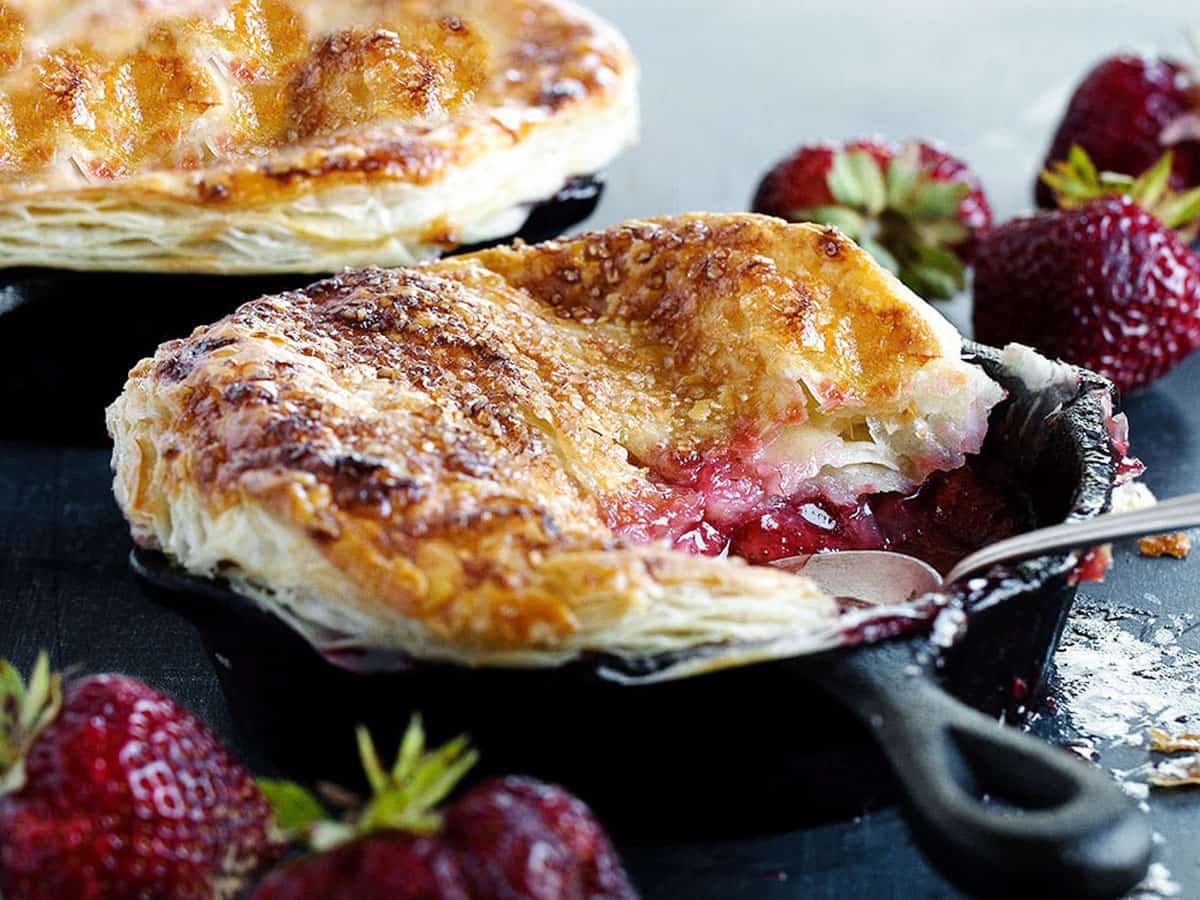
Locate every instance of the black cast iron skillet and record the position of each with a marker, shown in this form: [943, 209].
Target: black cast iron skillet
[772, 745]
[69, 339]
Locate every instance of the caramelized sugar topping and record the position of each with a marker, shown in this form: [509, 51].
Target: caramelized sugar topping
[179, 85]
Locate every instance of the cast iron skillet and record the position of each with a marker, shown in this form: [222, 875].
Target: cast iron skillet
[772, 745]
[68, 339]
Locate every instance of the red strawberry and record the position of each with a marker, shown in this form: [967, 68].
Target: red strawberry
[387, 865]
[916, 208]
[120, 793]
[503, 825]
[801, 181]
[507, 839]
[1105, 284]
[1122, 114]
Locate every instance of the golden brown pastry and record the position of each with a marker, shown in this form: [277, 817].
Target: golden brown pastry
[294, 135]
[468, 460]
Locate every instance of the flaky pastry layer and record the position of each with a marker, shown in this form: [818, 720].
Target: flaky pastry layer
[427, 459]
[268, 135]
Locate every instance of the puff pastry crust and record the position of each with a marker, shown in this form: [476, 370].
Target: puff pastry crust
[281, 135]
[427, 458]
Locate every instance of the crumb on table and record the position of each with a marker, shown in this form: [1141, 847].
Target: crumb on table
[1162, 742]
[1177, 545]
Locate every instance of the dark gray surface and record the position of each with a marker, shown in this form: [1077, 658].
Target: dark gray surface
[727, 87]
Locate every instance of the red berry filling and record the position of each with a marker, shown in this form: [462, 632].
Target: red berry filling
[725, 503]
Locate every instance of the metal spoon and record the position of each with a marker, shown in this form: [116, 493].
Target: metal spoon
[881, 576]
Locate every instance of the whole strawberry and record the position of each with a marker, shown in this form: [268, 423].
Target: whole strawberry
[111, 790]
[499, 827]
[1104, 282]
[917, 209]
[1126, 113]
[506, 839]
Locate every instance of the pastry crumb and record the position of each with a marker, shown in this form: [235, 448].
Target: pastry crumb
[1175, 772]
[1161, 742]
[1178, 545]
[1179, 771]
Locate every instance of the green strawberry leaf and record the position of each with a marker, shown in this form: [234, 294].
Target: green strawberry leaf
[12, 705]
[1066, 188]
[437, 775]
[843, 182]
[25, 711]
[870, 176]
[1180, 210]
[882, 255]
[944, 233]
[856, 180]
[938, 199]
[904, 170]
[1081, 164]
[1112, 183]
[847, 221]
[372, 767]
[928, 283]
[406, 798]
[1076, 182]
[294, 808]
[936, 273]
[1151, 185]
[412, 745]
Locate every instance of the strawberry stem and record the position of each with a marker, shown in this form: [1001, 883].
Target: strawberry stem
[25, 711]
[1076, 183]
[906, 219]
[402, 799]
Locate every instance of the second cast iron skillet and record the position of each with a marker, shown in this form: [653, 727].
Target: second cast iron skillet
[68, 339]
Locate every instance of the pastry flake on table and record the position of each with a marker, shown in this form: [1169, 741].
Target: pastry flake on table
[1177, 545]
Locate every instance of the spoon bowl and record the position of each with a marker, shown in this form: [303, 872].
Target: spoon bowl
[884, 577]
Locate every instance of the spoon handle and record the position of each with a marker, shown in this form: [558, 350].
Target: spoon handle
[1170, 515]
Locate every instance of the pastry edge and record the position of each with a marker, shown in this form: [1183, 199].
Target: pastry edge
[382, 221]
[664, 601]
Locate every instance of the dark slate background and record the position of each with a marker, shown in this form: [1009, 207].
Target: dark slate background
[727, 88]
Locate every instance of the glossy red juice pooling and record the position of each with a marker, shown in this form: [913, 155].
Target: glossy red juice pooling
[720, 503]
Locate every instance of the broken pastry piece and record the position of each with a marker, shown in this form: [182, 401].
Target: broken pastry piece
[1162, 742]
[1179, 772]
[535, 452]
[1171, 773]
[251, 136]
[1177, 545]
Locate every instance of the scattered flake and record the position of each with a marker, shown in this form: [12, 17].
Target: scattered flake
[948, 627]
[1157, 883]
[1132, 495]
[1084, 748]
[1162, 742]
[1136, 789]
[1163, 636]
[1177, 545]
[1122, 671]
[1176, 772]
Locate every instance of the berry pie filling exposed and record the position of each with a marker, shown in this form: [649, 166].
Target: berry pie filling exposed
[739, 503]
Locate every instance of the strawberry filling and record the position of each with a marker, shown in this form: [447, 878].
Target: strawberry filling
[724, 503]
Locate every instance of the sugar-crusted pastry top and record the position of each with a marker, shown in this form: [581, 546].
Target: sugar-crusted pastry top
[445, 445]
[260, 96]
[234, 105]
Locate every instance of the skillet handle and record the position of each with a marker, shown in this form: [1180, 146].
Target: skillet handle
[1053, 825]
